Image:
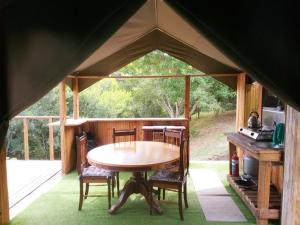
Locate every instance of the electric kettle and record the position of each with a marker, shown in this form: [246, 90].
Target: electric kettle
[253, 121]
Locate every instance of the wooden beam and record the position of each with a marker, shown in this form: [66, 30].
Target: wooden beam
[36, 117]
[51, 140]
[62, 114]
[290, 213]
[4, 206]
[75, 99]
[240, 100]
[26, 143]
[152, 76]
[187, 97]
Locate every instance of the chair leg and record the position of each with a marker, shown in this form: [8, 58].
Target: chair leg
[87, 187]
[118, 184]
[158, 194]
[113, 184]
[109, 192]
[185, 195]
[150, 187]
[180, 202]
[164, 194]
[146, 175]
[80, 194]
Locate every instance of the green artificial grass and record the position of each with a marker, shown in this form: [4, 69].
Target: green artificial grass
[60, 206]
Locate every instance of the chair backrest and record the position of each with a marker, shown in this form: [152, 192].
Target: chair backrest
[124, 133]
[82, 149]
[184, 158]
[173, 136]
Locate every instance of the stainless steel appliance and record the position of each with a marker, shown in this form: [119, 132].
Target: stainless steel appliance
[250, 166]
[272, 116]
[258, 134]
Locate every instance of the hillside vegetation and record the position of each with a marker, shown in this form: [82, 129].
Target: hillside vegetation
[207, 139]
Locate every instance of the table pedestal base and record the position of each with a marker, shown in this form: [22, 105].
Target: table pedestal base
[136, 184]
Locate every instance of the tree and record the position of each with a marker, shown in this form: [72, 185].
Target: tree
[168, 93]
[106, 99]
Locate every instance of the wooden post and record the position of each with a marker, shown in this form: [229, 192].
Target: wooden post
[187, 97]
[4, 206]
[259, 97]
[240, 100]
[62, 114]
[51, 140]
[26, 144]
[263, 194]
[290, 213]
[75, 99]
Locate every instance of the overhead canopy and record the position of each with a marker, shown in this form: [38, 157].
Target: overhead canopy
[44, 41]
[156, 26]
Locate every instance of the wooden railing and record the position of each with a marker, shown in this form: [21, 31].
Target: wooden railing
[26, 120]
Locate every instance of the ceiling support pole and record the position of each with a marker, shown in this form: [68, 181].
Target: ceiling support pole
[240, 100]
[62, 114]
[187, 97]
[75, 99]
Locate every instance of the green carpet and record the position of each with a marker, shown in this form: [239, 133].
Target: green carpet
[59, 206]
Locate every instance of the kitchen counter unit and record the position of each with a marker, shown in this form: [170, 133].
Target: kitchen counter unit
[262, 199]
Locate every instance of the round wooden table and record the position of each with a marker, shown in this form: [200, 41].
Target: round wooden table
[136, 157]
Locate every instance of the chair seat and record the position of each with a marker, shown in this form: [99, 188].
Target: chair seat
[93, 171]
[165, 175]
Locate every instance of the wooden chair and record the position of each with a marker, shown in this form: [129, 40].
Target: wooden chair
[173, 137]
[174, 180]
[122, 133]
[91, 174]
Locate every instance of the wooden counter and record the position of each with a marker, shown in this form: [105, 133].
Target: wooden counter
[264, 200]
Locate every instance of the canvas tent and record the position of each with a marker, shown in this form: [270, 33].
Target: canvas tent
[156, 26]
[43, 41]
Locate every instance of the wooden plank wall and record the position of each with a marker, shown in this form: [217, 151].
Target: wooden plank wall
[253, 100]
[70, 153]
[102, 130]
[290, 214]
[240, 101]
[4, 209]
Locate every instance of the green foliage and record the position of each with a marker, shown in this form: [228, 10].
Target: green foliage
[111, 98]
[38, 130]
[106, 99]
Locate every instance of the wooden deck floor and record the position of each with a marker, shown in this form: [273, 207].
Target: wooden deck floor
[26, 177]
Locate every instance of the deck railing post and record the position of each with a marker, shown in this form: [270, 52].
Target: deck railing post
[51, 140]
[75, 99]
[26, 144]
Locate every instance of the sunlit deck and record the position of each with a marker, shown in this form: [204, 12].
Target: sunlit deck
[27, 179]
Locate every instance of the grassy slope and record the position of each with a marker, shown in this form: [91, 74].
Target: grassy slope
[208, 141]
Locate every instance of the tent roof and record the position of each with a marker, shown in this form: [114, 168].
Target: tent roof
[155, 26]
[44, 41]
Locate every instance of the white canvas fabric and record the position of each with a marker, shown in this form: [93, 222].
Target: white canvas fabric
[155, 26]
